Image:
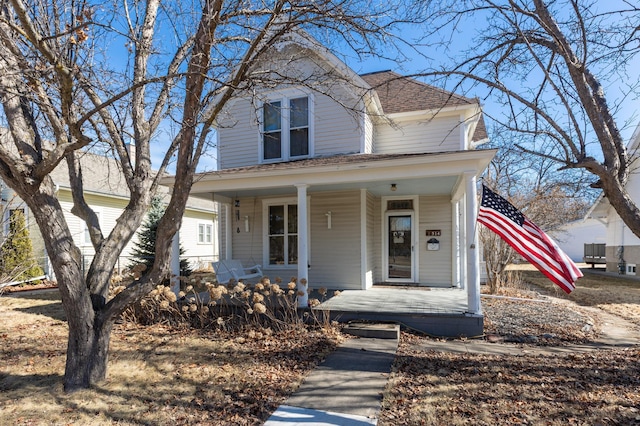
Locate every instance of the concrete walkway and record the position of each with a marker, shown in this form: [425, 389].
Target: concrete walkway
[345, 390]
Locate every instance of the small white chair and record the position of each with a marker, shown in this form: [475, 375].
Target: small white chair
[227, 269]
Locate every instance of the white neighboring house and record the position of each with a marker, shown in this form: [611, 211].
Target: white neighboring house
[622, 246]
[107, 194]
[572, 236]
[351, 180]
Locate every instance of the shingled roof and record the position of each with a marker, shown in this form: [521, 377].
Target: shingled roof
[398, 93]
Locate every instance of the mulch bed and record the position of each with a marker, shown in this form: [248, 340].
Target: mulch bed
[44, 285]
[541, 322]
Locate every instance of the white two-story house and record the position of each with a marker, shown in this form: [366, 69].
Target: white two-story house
[349, 180]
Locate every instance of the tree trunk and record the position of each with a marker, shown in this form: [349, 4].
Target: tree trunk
[622, 203]
[89, 329]
[87, 355]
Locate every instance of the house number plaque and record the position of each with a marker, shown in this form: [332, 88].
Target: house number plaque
[433, 233]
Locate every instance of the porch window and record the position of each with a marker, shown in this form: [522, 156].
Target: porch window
[283, 234]
[285, 129]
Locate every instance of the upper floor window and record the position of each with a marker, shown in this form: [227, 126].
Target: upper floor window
[286, 128]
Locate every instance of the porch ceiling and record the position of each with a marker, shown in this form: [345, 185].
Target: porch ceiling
[425, 174]
[432, 186]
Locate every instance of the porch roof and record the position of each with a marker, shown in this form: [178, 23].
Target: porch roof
[375, 172]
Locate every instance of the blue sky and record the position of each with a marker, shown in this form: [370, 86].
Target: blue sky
[416, 63]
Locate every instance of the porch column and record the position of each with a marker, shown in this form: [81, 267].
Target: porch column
[175, 263]
[455, 247]
[303, 238]
[366, 280]
[473, 264]
[462, 240]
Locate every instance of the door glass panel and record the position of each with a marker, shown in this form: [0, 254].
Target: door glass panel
[400, 251]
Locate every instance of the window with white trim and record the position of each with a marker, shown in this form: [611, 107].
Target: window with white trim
[205, 233]
[286, 129]
[282, 234]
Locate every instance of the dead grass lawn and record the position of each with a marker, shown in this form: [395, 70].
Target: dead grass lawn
[160, 375]
[616, 295]
[157, 375]
[437, 388]
[601, 387]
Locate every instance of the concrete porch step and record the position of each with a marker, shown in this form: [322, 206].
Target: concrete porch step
[373, 330]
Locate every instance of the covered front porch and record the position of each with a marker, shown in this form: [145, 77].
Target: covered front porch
[434, 311]
[356, 220]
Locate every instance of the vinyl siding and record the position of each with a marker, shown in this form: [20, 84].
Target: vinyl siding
[338, 127]
[248, 246]
[337, 130]
[368, 135]
[376, 242]
[335, 252]
[238, 135]
[334, 255]
[222, 232]
[108, 208]
[437, 135]
[435, 266]
[200, 255]
[111, 208]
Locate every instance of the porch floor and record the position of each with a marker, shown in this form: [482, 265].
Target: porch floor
[434, 311]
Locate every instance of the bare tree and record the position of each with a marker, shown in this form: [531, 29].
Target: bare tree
[549, 64]
[78, 76]
[548, 197]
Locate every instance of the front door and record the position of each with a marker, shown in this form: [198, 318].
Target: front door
[400, 247]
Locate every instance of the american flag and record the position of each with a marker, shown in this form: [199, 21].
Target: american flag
[526, 238]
